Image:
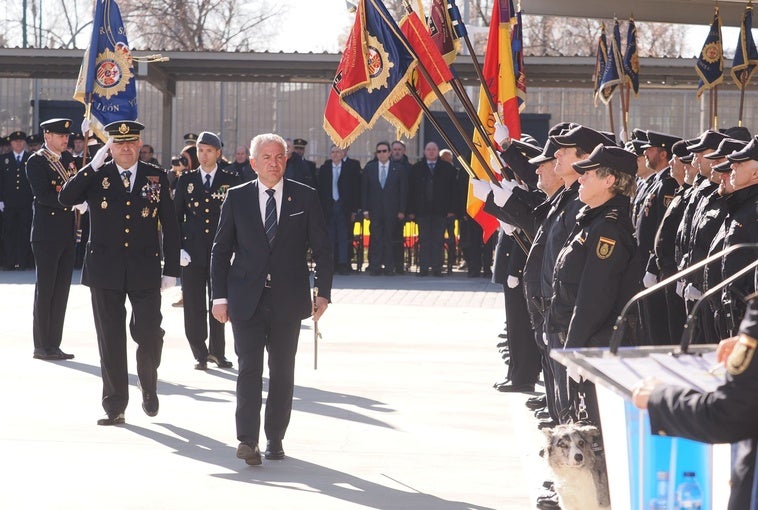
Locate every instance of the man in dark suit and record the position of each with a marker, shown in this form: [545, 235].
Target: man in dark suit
[384, 192]
[53, 238]
[267, 226]
[432, 188]
[197, 200]
[16, 203]
[339, 189]
[128, 200]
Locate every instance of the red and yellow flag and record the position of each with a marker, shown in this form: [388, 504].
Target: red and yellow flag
[500, 79]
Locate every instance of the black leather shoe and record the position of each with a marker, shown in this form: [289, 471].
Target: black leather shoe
[423, 272]
[542, 414]
[537, 402]
[546, 424]
[504, 334]
[201, 365]
[59, 354]
[112, 420]
[516, 388]
[501, 383]
[250, 453]
[41, 354]
[437, 273]
[274, 449]
[150, 404]
[221, 362]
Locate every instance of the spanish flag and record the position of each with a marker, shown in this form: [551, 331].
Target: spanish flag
[500, 79]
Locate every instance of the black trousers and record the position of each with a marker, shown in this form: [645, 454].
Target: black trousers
[109, 309]
[196, 292]
[381, 243]
[524, 367]
[17, 228]
[55, 264]
[431, 234]
[279, 337]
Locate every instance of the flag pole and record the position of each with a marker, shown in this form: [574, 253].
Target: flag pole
[610, 114]
[742, 97]
[716, 107]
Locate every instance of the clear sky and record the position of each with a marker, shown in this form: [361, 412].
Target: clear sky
[312, 25]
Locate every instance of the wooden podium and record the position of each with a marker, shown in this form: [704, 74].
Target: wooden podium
[634, 455]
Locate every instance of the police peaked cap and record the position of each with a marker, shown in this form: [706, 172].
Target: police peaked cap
[124, 130]
[583, 137]
[661, 140]
[750, 151]
[679, 149]
[548, 153]
[299, 142]
[190, 138]
[708, 140]
[639, 134]
[738, 133]
[726, 147]
[611, 157]
[17, 135]
[635, 147]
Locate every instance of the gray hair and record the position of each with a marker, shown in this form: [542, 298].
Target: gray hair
[266, 138]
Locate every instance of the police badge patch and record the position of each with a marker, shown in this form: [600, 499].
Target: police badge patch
[604, 247]
[742, 355]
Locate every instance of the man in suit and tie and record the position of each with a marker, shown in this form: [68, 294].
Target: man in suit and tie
[197, 200]
[128, 199]
[266, 227]
[16, 203]
[339, 188]
[384, 191]
[53, 238]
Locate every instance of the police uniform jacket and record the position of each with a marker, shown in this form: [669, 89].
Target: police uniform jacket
[726, 415]
[14, 186]
[707, 221]
[124, 250]
[700, 190]
[643, 187]
[198, 210]
[665, 256]
[740, 226]
[52, 220]
[594, 275]
[525, 209]
[654, 204]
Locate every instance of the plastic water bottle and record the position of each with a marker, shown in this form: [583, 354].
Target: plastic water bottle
[688, 494]
[660, 502]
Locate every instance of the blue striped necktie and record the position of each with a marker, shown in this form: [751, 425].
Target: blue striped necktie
[270, 222]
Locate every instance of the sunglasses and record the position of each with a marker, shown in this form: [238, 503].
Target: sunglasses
[381, 150]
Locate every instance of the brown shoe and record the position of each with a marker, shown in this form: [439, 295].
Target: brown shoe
[250, 453]
[179, 303]
[220, 361]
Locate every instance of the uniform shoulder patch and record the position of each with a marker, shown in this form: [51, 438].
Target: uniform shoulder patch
[612, 215]
[742, 355]
[605, 247]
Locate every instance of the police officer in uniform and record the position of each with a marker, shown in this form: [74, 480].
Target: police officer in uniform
[128, 199]
[197, 199]
[16, 203]
[53, 238]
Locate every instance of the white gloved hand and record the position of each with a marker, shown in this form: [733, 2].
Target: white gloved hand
[691, 293]
[480, 189]
[649, 280]
[85, 126]
[507, 228]
[501, 135]
[512, 282]
[496, 163]
[501, 193]
[2, 206]
[167, 282]
[100, 155]
[184, 258]
[680, 288]
[82, 208]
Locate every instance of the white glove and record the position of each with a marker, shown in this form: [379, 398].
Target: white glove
[501, 135]
[480, 189]
[100, 155]
[507, 228]
[691, 293]
[649, 280]
[85, 126]
[496, 163]
[503, 192]
[512, 282]
[167, 282]
[82, 208]
[680, 288]
[2, 206]
[184, 258]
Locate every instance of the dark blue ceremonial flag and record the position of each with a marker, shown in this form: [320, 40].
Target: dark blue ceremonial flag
[600, 61]
[613, 71]
[710, 65]
[106, 77]
[388, 64]
[631, 58]
[746, 55]
[457, 21]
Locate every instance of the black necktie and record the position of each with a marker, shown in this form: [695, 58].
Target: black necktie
[207, 182]
[18, 159]
[270, 222]
[126, 177]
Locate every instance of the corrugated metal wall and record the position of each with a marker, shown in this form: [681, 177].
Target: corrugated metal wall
[240, 110]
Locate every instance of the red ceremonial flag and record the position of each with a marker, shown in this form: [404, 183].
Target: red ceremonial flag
[499, 78]
[405, 115]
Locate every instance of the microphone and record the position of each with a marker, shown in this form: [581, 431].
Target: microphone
[620, 326]
[689, 326]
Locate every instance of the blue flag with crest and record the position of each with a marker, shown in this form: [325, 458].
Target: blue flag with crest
[710, 64]
[746, 55]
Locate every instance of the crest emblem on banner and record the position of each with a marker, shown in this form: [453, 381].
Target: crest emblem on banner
[113, 71]
[378, 63]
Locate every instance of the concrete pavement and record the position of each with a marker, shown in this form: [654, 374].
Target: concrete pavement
[400, 414]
